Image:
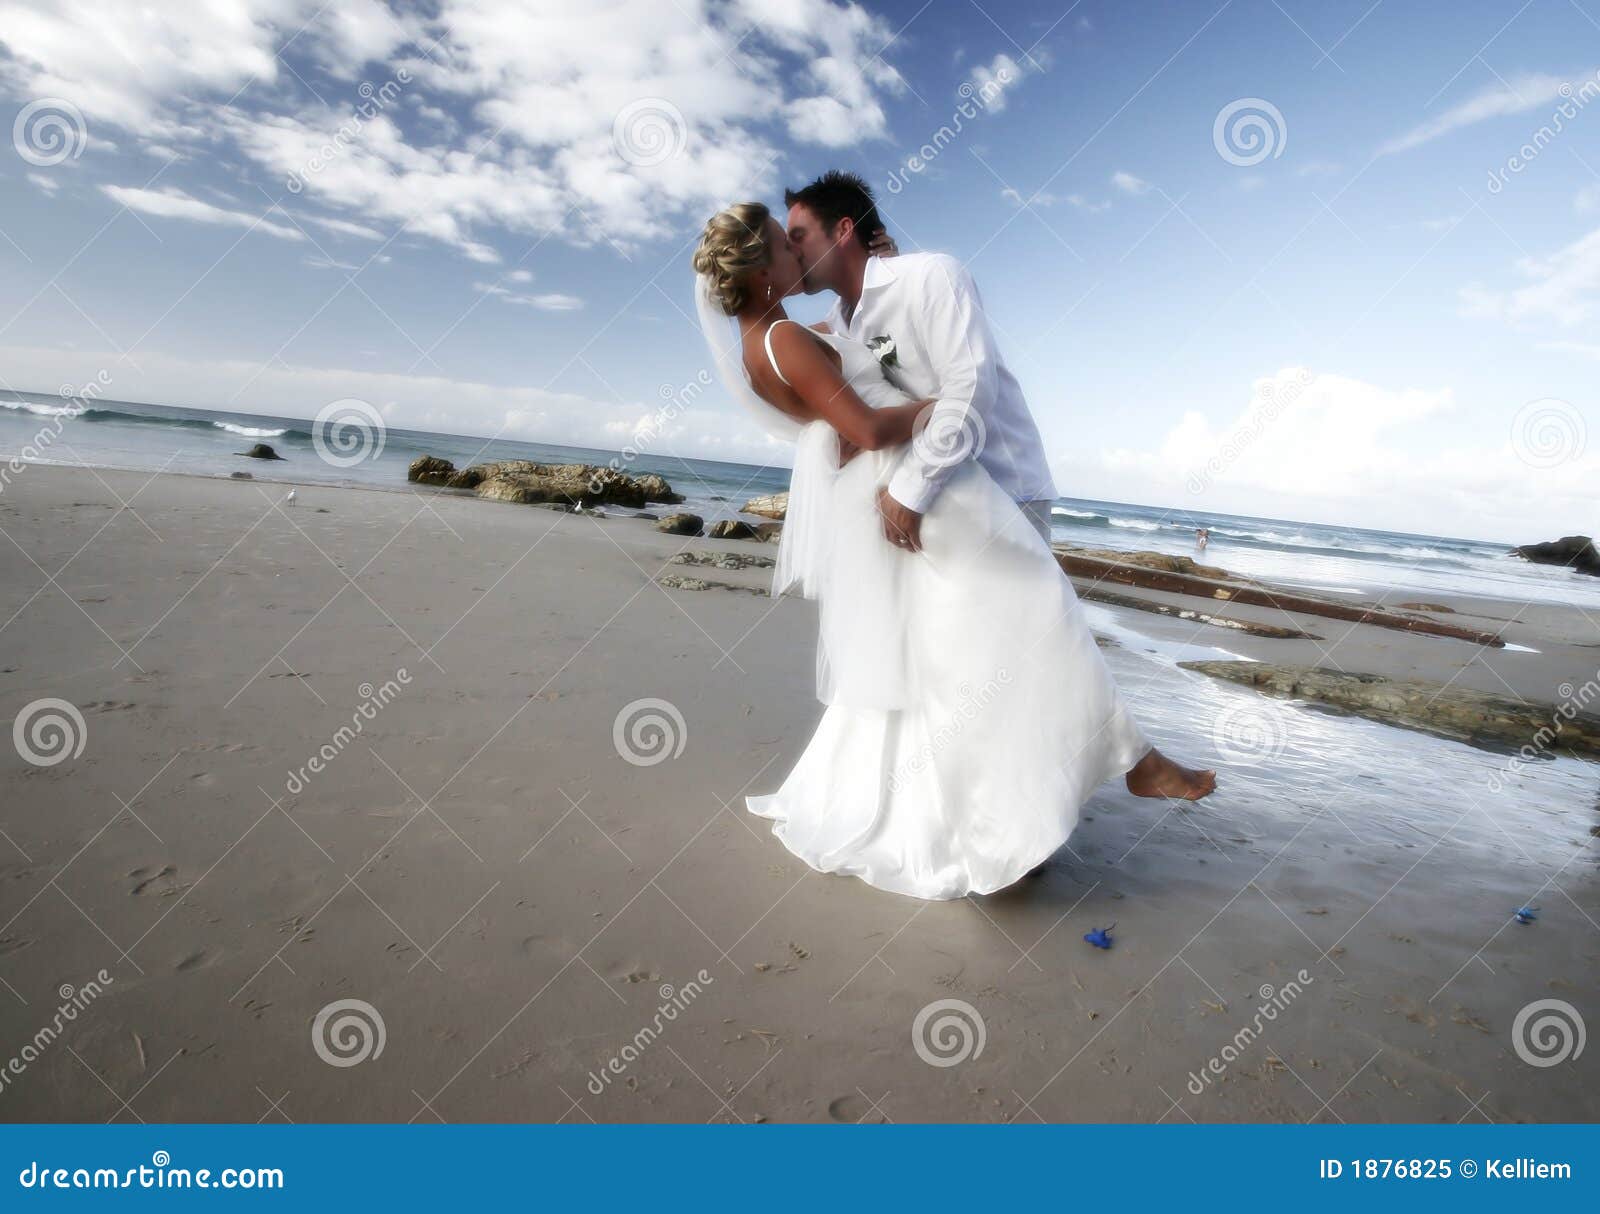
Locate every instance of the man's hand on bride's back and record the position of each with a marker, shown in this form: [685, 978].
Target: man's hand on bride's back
[882, 244]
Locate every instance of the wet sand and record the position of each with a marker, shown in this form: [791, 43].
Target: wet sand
[480, 867]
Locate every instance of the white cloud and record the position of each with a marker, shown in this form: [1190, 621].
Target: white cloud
[520, 275]
[505, 123]
[990, 82]
[344, 227]
[175, 204]
[1084, 204]
[1042, 198]
[1344, 448]
[45, 182]
[1129, 184]
[1588, 199]
[1516, 96]
[548, 302]
[1563, 288]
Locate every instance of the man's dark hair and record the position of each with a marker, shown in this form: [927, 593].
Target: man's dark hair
[837, 195]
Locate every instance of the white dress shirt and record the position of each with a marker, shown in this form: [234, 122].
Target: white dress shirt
[928, 305]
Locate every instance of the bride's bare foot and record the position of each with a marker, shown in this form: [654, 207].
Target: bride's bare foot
[1155, 775]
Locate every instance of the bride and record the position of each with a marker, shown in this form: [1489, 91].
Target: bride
[969, 712]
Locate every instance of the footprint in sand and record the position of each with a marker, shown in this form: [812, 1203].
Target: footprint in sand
[199, 959]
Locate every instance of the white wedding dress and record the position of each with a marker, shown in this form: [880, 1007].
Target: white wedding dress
[969, 712]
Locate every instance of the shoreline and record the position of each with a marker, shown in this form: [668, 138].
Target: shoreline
[483, 866]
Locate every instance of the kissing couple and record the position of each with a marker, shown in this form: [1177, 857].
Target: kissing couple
[969, 713]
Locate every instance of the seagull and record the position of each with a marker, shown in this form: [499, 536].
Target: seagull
[289, 501]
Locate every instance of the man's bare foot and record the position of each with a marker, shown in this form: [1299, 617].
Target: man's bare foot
[1155, 775]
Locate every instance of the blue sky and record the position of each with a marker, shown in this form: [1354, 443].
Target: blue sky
[1381, 322]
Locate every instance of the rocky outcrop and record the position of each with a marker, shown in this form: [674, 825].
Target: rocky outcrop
[259, 451]
[527, 482]
[733, 529]
[1152, 571]
[1098, 594]
[724, 560]
[1574, 551]
[1160, 561]
[773, 505]
[682, 524]
[429, 470]
[1448, 711]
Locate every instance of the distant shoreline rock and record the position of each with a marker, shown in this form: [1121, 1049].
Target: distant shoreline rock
[772, 505]
[259, 451]
[529, 483]
[1574, 551]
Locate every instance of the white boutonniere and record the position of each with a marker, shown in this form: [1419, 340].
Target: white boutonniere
[883, 349]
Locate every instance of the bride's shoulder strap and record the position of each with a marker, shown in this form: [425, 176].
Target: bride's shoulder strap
[773, 358]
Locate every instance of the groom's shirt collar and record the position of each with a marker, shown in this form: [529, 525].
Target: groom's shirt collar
[878, 273]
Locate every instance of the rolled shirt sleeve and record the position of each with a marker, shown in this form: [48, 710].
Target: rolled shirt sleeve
[961, 350]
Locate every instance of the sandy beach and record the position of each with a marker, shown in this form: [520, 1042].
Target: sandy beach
[378, 747]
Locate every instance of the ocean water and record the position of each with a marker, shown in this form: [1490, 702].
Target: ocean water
[117, 434]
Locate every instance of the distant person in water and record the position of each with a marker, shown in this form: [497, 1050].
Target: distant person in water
[1202, 537]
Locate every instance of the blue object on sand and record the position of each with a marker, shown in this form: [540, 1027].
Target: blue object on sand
[1100, 937]
[1527, 914]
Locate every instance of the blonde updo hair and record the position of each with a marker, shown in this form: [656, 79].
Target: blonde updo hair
[732, 248]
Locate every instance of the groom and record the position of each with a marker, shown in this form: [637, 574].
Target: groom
[920, 313]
